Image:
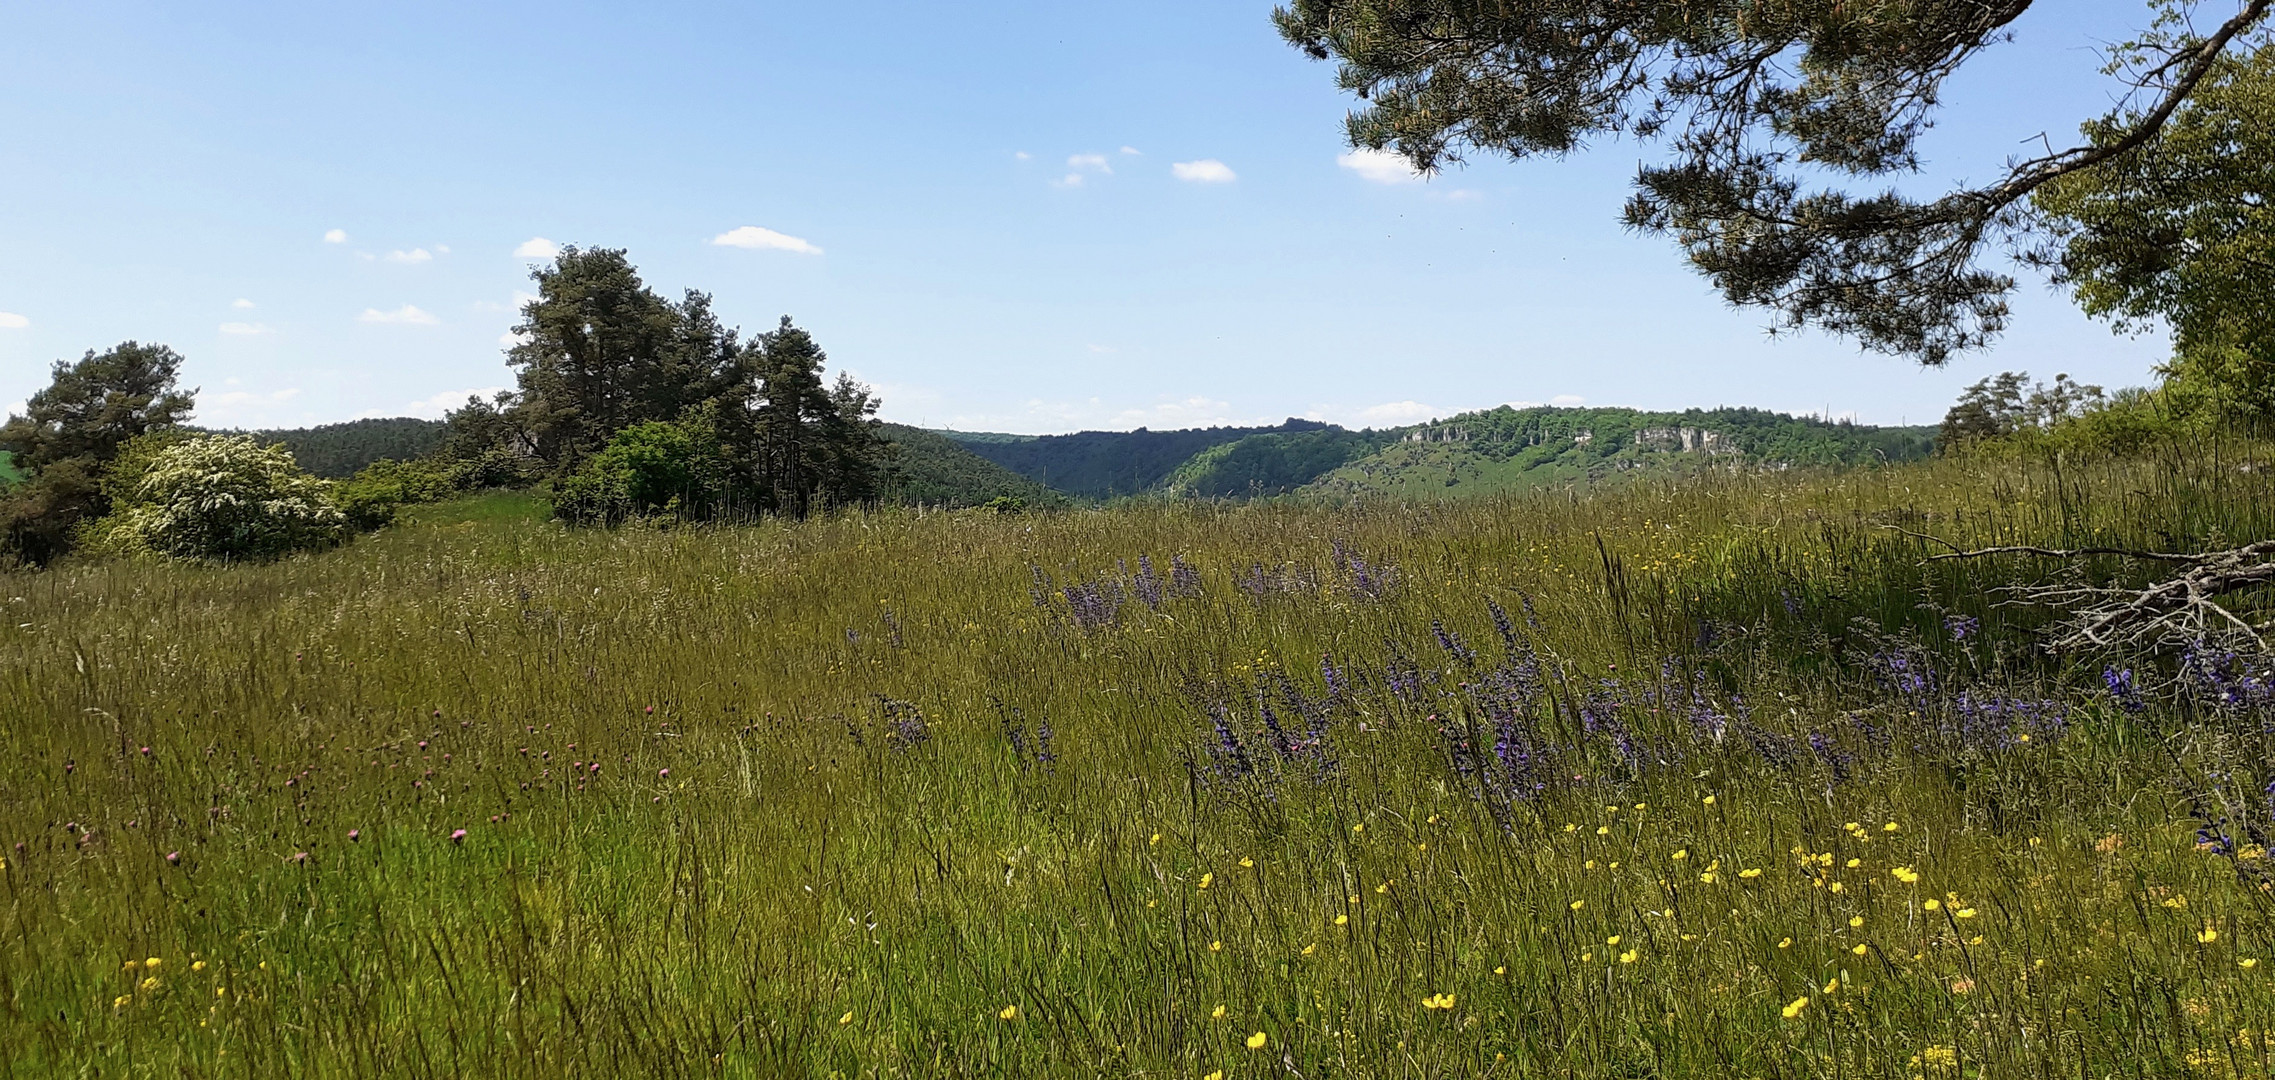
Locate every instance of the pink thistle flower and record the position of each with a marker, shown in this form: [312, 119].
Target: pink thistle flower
[458, 837]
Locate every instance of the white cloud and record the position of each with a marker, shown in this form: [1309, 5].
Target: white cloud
[1567, 401]
[1102, 348]
[444, 248]
[1133, 151]
[336, 236]
[241, 304]
[1072, 179]
[1380, 167]
[235, 407]
[1079, 162]
[15, 408]
[537, 247]
[1204, 171]
[413, 256]
[9, 320]
[751, 236]
[402, 316]
[1021, 155]
[246, 329]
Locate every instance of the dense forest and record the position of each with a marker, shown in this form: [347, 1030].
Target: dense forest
[343, 450]
[1103, 464]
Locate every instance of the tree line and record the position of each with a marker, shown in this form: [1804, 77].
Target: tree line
[628, 405]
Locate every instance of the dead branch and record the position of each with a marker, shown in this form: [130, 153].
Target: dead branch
[2180, 609]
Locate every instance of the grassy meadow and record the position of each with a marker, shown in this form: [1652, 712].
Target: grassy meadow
[1709, 778]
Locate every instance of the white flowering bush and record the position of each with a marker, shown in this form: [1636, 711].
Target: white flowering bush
[223, 497]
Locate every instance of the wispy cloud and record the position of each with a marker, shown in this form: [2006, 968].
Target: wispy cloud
[537, 247]
[753, 237]
[402, 316]
[242, 304]
[246, 329]
[1204, 171]
[9, 320]
[336, 236]
[1133, 151]
[1021, 155]
[1380, 167]
[413, 256]
[1079, 162]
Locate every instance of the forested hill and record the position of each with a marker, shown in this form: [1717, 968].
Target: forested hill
[930, 469]
[343, 449]
[1488, 450]
[1103, 464]
[1506, 448]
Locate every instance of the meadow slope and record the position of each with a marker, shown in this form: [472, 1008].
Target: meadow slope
[1706, 779]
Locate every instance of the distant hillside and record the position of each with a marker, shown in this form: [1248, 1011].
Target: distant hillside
[1505, 448]
[1274, 463]
[338, 450]
[932, 469]
[1103, 464]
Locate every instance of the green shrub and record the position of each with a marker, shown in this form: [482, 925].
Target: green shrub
[371, 498]
[223, 497]
[647, 469]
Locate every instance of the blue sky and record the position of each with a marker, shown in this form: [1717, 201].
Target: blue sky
[1028, 217]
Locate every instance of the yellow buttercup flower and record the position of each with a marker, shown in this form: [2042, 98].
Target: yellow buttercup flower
[1438, 1001]
[1258, 1041]
[2247, 963]
[1612, 940]
[1904, 874]
[1930, 904]
[1010, 1012]
[1578, 904]
[1750, 873]
[152, 963]
[1247, 863]
[1341, 919]
[1216, 946]
[1855, 921]
[846, 1019]
[1795, 1008]
[1382, 888]
[1861, 949]
[1832, 986]
[1156, 841]
[1786, 944]
[1627, 957]
[1311, 948]
[2208, 936]
[197, 965]
[1218, 1014]
[1682, 854]
[1217, 1075]
[1208, 879]
[1964, 913]
[1709, 800]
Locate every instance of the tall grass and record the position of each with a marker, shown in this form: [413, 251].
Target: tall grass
[778, 800]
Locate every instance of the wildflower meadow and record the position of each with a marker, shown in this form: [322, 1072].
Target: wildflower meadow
[1712, 777]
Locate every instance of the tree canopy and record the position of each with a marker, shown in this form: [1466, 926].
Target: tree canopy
[1757, 103]
[2182, 230]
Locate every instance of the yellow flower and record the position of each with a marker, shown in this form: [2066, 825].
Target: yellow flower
[1217, 1075]
[1861, 949]
[1750, 873]
[1964, 913]
[2248, 963]
[846, 1019]
[1795, 1008]
[2208, 936]
[1627, 957]
[1208, 879]
[1889, 827]
[120, 1001]
[1603, 830]
[1904, 874]
[150, 983]
[1382, 888]
[1786, 944]
[1216, 946]
[1578, 904]
[1156, 841]
[1010, 1012]
[1258, 1041]
[1681, 855]
[1218, 1014]
[1832, 986]
[1586, 957]
[1941, 1057]
[1247, 863]
[1709, 800]
[1930, 904]
[1612, 940]
[1341, 919]
[1855, 921]
[1835, 886]
[1311, 948]
[1569, 827]
[1359, 828]
[1503, 970]
[152, 963]
[1589, 865]
[1854, 863]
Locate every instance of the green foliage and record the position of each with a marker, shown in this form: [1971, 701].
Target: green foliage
[1103, 464]
[773, 873]
[373, 496]
[68, 436]
[224, 498]
[2008, 403]
[2180, 232]
[928, 468]
[647, 469]
[9, 473]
